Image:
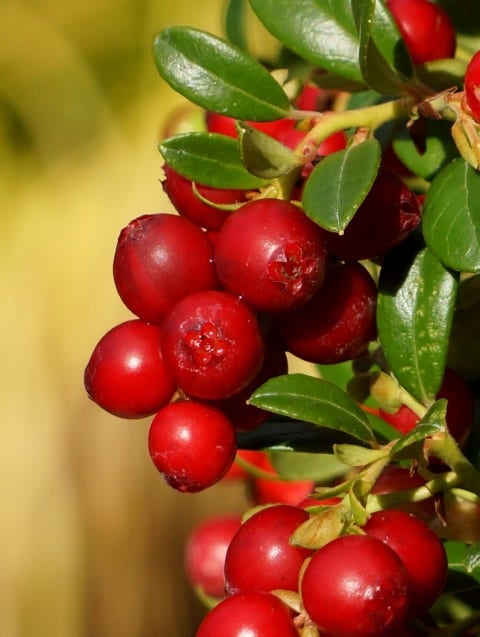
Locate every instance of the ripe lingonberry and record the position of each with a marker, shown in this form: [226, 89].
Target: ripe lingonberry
[263, 543]
[338, 323]
[180, 192]
[212, 344]
[460, 408]
[205, 551]
[225, 125]
[395, 479]
[472, 86]
[265, 490]
[249, 614]
[386, 217]
[355, 586]
[150, 269]
[420, 550]
[126, 374]
[426, 28]
[270, 254]
[192, 445]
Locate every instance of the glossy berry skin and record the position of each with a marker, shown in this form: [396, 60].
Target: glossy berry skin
[338, 323]
[252, 614]
[420, 550]
[385, 218]
[460, 408]
[192, 445]
[180, 191]
[355, 586]
[205, 551]
[426, 28]
[126, 374]
[260, 556]
[212, 344]
[150, 270]
[225, 125]
[472, 86]
[270, 254]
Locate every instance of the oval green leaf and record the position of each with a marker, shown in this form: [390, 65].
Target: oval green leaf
[381, 50]
[414, 314]
[433, 422]
[339, 183]
[263, 155]
[235, 23]
[319, 467]
[209, 159]
[316, 401]
[217, 75]
[463, 565]
[451, 223]
[321, 31]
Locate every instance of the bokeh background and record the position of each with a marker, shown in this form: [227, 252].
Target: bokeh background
[91, 539]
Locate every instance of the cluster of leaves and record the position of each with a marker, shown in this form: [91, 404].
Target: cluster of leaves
[351, 46]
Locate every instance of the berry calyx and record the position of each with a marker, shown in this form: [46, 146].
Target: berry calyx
[192, 445]
[270, 254]
[212, 344]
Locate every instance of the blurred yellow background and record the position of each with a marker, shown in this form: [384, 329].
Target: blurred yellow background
[91, 539]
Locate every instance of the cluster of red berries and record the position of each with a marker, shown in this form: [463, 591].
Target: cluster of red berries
[220, 296]
[367, 584]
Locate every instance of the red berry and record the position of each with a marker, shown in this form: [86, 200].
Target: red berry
[460, 409]
[395, 479]
[212, 344]
[260, 556]
[271, 254]
[426, 28]
[238, 472]
[420, 550]
[150, 269]
[338, 323]
[126, 374]
[225, 125]
[472, 86]
[249, 614]
[386, 217]
[355, 586]
[192, 444]
[205, 553]
[275, 490]
[180, 192]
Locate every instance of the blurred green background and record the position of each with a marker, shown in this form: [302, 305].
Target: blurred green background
[91, 539]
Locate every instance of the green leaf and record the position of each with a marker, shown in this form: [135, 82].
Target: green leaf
[263, 155]
[379, 72]
[235, 23]
[321, 31]
[451, 223]
[316, 401]
[463, 565]
[217, 75]
[414, 314]
[439, 150]
[209, 159]
[319, 467]
[339, 183]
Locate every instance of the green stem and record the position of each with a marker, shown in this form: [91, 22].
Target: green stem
[370, 117]
[445, 448]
